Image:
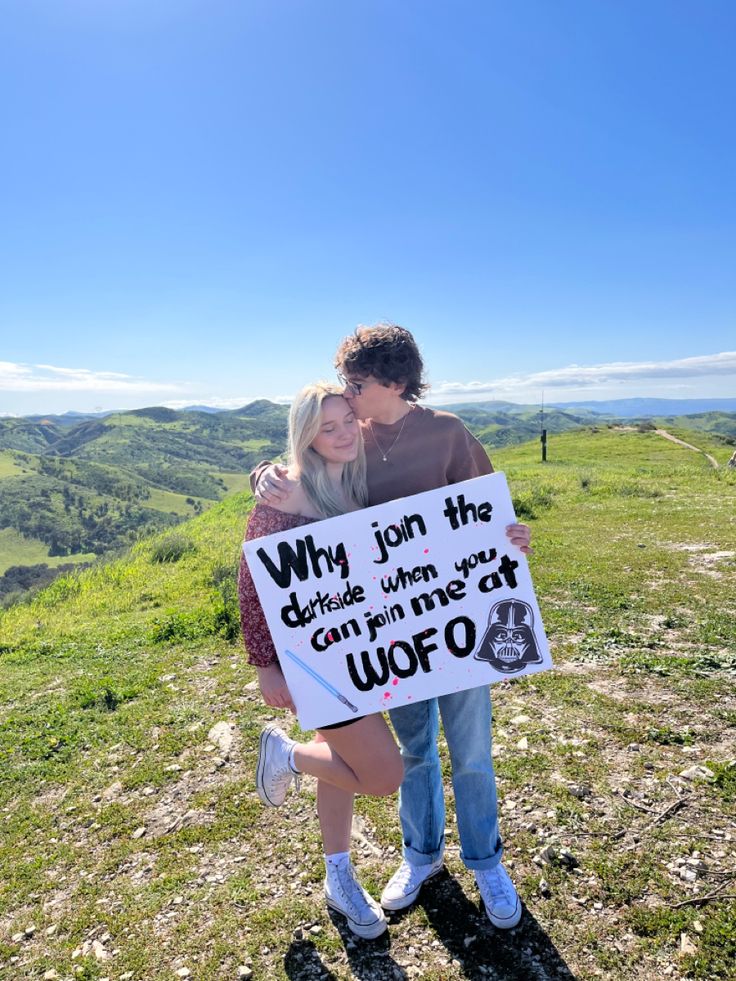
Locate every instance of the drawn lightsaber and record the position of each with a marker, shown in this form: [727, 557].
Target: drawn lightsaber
[320, 680]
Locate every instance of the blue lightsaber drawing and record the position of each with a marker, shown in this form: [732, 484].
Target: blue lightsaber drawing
[320, 680]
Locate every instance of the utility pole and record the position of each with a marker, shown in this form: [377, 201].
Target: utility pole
[544, 431]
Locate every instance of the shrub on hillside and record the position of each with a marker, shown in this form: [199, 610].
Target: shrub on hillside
[184, 626]
[102, 695]
[218, 619]
[172, 547]
[528, 503]
[639, 490]
[227, 621]
[227, 612]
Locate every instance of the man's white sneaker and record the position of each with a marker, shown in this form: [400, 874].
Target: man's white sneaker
[273, 772]
[499, 897]
[345, 894]
[404, 885]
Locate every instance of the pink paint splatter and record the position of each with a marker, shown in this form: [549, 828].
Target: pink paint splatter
[395, 681]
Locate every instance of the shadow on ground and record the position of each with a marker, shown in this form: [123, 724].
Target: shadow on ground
[465, 935]
[369, 960]
[302, 960]
[522, 954]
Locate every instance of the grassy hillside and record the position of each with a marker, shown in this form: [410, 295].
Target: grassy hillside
[132, 843]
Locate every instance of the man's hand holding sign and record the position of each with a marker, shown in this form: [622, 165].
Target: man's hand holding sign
[401, 602]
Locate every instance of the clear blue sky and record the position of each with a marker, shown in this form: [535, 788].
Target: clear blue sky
[198, 200]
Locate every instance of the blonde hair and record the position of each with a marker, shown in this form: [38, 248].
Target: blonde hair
[305, 419]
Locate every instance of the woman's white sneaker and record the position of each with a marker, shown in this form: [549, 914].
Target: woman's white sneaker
[345, 894]
[274, 773]
[404, 885]
[501, 901]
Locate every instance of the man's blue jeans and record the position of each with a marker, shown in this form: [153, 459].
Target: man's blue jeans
[466, 719]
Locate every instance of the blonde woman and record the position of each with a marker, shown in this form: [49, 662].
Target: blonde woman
[327, 465]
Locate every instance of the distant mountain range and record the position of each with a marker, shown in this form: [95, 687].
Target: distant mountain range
[621, 408]
[643, 408]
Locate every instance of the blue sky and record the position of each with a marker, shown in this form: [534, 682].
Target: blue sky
[199, 200]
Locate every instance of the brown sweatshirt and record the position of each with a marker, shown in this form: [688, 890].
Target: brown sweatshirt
[425, 449]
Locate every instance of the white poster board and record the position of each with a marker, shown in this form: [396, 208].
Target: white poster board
[393, 604]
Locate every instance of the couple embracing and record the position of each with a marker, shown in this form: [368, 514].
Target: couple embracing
[365, 442]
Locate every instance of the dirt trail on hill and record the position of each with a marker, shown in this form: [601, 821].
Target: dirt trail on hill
[663, 432]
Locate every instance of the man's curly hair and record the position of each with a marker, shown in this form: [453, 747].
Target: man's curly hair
[387, 353]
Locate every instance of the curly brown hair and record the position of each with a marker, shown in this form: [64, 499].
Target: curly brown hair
[388, 353]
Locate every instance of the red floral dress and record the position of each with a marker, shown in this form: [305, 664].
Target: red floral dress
[264, 520]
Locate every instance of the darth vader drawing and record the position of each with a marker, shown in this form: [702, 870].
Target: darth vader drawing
[509, 643]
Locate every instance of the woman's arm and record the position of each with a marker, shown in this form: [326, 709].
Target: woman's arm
[273, 687]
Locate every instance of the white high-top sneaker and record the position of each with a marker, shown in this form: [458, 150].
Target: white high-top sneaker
[499, 897]
[404, 885]
[345, 894]
[273, 771]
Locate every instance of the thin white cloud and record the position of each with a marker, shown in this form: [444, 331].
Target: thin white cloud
[51, 378]
[581, 377]
[9, 369]
[81, 372]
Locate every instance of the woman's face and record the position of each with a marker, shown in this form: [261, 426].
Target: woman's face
[339, 434]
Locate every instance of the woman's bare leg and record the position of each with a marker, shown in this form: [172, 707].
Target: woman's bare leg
[362, 758]
[343, 890]
[335, 812]
[359, 758]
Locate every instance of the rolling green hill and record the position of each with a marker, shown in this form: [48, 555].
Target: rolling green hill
[92, 488]
[123, 820]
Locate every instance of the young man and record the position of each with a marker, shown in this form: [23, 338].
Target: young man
[410, 449]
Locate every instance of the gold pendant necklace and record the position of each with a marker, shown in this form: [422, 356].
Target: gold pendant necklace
[384, 454]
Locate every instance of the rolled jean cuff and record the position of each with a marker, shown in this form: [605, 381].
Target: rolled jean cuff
[414, 857]
[482, 864]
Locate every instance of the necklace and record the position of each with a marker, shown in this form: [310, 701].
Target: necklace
[385, 453]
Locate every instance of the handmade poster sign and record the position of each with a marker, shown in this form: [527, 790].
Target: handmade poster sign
[419, 597]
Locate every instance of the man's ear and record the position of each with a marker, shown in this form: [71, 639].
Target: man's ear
[398, 387]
